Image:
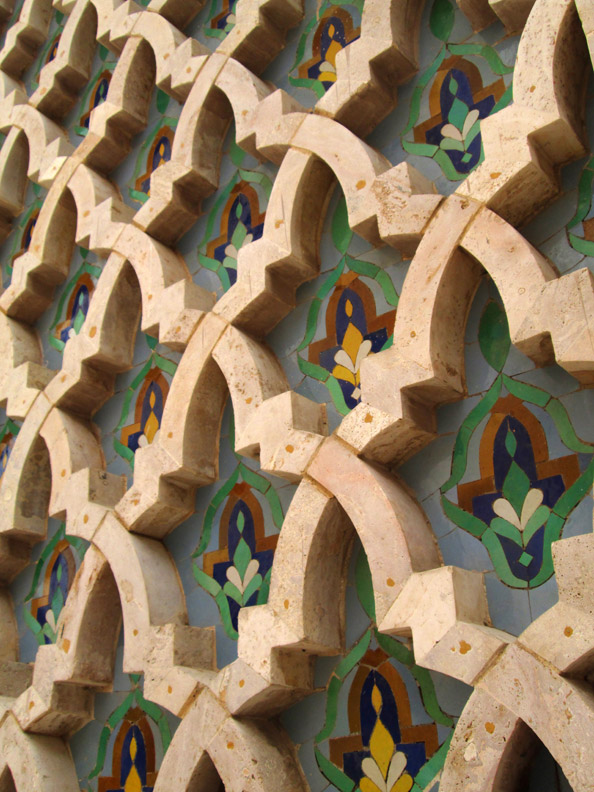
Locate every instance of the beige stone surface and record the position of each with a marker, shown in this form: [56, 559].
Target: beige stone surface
[446, 612]
[35, 761]
[490, 748]
[368, 494]
[25, 36]
[558, 710]
[544, 126]
[369, 70]
[523, 687]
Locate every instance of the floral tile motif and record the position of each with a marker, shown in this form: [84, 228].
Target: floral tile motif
[219, 19]
[213, 22]
[236, 573]
[383, 749]
[143, 405]
[451, 98]
[519, 505]
[331, 29]
[127, 752]
[22, 230]
[155, 151]
[235, 220]
[74, 302]
[156, 147]
[52, 579]
[354, 329]
[224, 21]
[95, 91]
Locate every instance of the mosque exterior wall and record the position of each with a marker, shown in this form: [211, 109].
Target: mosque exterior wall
[296, 358]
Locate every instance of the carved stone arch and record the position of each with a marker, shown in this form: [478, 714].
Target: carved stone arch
[14, 162]
[178, 186]
[104, 346]
[260, 748]
[45, 138]
[82, 660]
[384, 57]
[124, 113]
[26, 485]
[271, 268]
[61, 79]
[34, 761]
[25, 37]
[425, 367]
[503, 769]
[547, 117]
[47, 261]
[197, 398]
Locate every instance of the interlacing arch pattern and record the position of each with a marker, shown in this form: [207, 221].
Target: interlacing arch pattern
[57, 467]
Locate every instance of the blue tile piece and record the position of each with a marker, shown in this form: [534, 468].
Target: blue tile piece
[461, 549]
[440, 524]
[452, 694]
[543, 597]
[315, 780]
[552, 379]
[558, 250]
[509, 608]
[306, 718]
[517, 363]
[427, 471]
[580, 520]
[479, 375]
[580, 406]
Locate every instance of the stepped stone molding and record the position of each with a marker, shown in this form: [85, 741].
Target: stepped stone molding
[57, 467]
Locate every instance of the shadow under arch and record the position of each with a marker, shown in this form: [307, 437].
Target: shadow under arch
[7, 781]
[14, 164]
[26, 487]
[91, 622]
